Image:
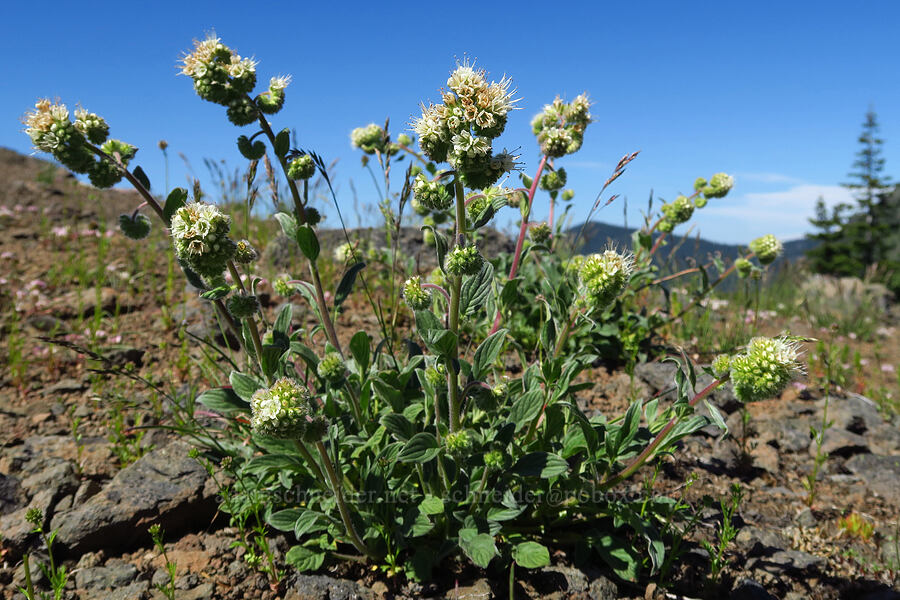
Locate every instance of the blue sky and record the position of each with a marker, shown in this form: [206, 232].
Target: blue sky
[771, 92]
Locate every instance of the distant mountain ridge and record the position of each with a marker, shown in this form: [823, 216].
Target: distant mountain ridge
[597, 235]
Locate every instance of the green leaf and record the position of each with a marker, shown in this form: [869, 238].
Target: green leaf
[440, 341]
[284, 520]
[526, 408]
[271, 464]
[308, 242]
[475, 290]
[250, 151]
[177, 198]
[541, 464]
[432, 505]
[304, 559]
[421, 448]
[282, 143]
[243, 385]
[509, 295]
[716, 415]
[486, 353]
[216, 293]
[270, 360]
[531, 555]
[479, 547]
[283, 320]
[347, 281]
[619, 554]
[398, 426]
[288, 224]
[142, 178]
[504, 513]
[630, 424]
[224, 401]
[415, 523]
[440, 245]
[426, 320]
[360, 349]
[308, 522]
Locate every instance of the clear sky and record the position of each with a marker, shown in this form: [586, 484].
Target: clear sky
[771, 92]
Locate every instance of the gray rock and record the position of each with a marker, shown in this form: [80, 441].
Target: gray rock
[790, 562]
[805, 519]
[855, 413]
[788, 436]
[17, 532]
[59, 477]
[139, 590]
[758, 541]
[884, 439]
[164, 486]
[603, 589]
[747, 589]
[840, 442]
[12, 496]
[881, 474]
[65, 386]
[204, 591]
[321, 587]
[480, 590]
[115, 574]
[558, 582]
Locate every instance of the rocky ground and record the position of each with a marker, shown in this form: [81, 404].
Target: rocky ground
[92, 453]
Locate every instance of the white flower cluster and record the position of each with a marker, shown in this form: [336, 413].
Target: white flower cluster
[200, 232]
[461, 129]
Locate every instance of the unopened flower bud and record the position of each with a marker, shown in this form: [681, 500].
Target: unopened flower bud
[332, 369]
[464, 261]
[719, 186]
[432, 194]
[316, 429]
[245, 253]
[721, 365]
[567, 195]
[368, 139]
[242, 306]
[699, 184]
[743, 267]
[540, 233]
[302, 167]
[767, 248]
[282, 287]
[457, 442]
[493, 460]
[404, 140]
[665, 226]
[415, 295]
[554, 180]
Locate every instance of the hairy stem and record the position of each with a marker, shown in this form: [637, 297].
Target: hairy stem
[338, 490]
[523, 229]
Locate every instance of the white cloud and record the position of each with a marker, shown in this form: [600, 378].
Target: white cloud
[784, 213]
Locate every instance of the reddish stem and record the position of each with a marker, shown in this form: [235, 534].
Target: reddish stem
[522, 230]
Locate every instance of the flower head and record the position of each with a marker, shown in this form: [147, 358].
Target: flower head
[463, 261]
[719, 185]
[415, 295]
[560, 127]
[767, 248]
[605, 275]
[764, 368]
[282, 410]
[368, 139]
[200, 232]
